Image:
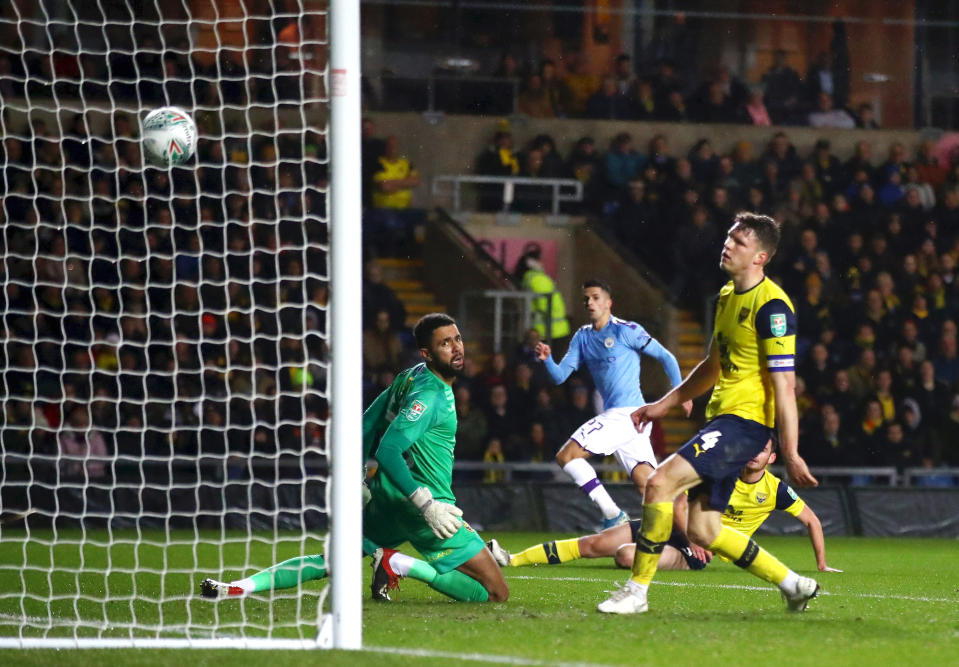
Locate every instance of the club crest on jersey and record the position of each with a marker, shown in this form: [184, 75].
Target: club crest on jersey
[761, 497]
[743, 314]
[777, 323]
[609, 342]
[415, 411]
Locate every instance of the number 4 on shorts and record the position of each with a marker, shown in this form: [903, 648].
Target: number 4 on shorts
[708, 442]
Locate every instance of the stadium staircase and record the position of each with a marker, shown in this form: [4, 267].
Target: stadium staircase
[690, 348]
[405, 277]
[417, 289]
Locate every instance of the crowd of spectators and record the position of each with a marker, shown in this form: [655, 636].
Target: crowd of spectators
[149, 320]
[658, 91]
[133, 55]
[667, 79]
[171, 314]
[869, 256]
[181, 314]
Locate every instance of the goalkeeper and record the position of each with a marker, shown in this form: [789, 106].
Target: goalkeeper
[410, 430]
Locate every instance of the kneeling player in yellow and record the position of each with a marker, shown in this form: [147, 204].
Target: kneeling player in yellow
[758, 492]
[751, 371]
[616, 542]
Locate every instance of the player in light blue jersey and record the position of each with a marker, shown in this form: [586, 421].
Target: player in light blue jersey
[610, 348]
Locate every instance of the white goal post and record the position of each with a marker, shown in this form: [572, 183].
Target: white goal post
[178, 347]
[347, 367]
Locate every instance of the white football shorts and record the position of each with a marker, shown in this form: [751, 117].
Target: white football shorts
[613, 432]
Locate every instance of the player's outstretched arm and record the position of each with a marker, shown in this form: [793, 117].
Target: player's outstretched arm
[698, 382]
[814, 526]
[559, 372]
[543, 351]
[787, 421]
[668, 361]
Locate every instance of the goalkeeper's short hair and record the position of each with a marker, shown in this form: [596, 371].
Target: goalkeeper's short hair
[423, 331]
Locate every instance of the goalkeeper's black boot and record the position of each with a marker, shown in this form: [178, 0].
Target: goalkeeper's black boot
[217, 590]
[691, 560]
[384, 578]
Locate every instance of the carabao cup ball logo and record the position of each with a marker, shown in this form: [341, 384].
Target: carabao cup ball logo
[777, 323]
[169, 136]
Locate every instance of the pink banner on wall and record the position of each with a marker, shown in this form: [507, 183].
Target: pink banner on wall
[508, 250]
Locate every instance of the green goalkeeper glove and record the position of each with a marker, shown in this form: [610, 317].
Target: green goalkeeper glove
[442, 518]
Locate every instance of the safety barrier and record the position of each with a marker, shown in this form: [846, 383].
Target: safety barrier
[557, 187]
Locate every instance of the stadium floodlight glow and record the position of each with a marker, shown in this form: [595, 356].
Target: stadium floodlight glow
[168, 336]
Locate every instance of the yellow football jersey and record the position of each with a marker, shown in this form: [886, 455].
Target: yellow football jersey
[751, 504]
[391, 170]
[756, 335]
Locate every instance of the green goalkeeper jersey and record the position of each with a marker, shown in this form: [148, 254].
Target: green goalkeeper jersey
[416, 414]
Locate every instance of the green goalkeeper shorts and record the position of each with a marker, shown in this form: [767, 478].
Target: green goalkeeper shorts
[389, 521]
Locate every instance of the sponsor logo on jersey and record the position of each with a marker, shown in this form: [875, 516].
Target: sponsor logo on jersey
[761, 497]
[609, 342]
[743, 314]
[733, 514]
[777, 323]
[792, 494]
[415, 411]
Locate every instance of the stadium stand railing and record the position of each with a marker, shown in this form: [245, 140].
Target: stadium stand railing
[500, 274]
[509, 183]
[499, 299]
[929, 476]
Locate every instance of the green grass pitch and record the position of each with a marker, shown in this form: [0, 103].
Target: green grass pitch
[897, 602]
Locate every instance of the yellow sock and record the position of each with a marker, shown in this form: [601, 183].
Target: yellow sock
[745, 553]
[554, 553]
[657, 526]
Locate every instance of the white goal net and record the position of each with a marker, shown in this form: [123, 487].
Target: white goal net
[164, 332]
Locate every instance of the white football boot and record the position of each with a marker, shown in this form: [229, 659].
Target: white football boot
[500, 555]
[806, 590]
[630, 599]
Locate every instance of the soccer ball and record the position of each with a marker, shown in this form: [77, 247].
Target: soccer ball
[169, 136]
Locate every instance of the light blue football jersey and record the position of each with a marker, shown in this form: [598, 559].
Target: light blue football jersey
[612, 356]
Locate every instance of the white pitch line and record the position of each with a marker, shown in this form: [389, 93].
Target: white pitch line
[476, 657]
[57, 622]
[52, 622]
[34, 621]
[743, 587]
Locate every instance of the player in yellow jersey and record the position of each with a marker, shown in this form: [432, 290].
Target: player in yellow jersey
[751, 371]
[678, 554]
[758, 492]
